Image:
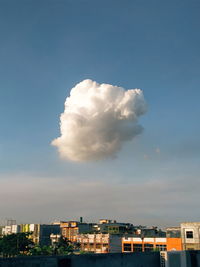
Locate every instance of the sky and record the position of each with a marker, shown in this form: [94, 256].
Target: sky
[46, 48]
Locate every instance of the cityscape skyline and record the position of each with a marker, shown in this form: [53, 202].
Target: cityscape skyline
[46, 48]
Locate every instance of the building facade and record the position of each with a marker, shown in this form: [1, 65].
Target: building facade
[190, 235]
[136, 244]
[10, 229]
[100, 243]
[71, 229]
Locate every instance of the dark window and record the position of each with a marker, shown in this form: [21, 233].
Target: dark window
[148, 247]
[161, 247]
[189, 234]
[137, 247]
[127, 247]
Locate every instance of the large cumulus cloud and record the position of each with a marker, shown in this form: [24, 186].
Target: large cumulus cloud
[97, 119]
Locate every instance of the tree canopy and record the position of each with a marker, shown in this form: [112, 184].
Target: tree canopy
[21, 244]
[15, 244]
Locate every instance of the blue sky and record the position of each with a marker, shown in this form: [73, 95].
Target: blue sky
[49, 46]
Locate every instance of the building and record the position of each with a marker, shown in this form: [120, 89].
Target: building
[10, 229]
[71, 229]
[55, 239]
[40, 233]
[113, 227]
[151, 243]
[190, 235]
[174, 241]
[1, 231]
[139, 244]
[100, 243]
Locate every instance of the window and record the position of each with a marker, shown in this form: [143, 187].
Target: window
[148, 247]
[161, 247]
[189, 234]
[137, 247]
[127, 247]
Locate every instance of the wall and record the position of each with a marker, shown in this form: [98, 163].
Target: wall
[174, 243]
[93, 260]
[183, 258]
[115, 245]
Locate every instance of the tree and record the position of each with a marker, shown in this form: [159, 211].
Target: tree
[20, 244]
[37, 250]
[62, 247]
[15, 244]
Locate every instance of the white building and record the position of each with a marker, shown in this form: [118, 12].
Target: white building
[11, 229]
[190, 235]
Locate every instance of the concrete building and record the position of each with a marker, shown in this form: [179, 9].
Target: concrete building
[190, 235]
[100, 243]
[71, 229]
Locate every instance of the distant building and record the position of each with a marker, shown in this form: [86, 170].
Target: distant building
[173, 235]
[136, 244]
[1, 231]
[100, 243]
[150, 239]
[40, 233]
[113, 227]
[10, 229]
[71, 229]
[173, 232]
[55, 239]
[105, 221]
[190, 235]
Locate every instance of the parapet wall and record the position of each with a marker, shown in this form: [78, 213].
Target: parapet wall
[183, 258]
[151, 259]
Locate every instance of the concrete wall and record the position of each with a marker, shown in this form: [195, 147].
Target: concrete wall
[151, 259]
[183, 258]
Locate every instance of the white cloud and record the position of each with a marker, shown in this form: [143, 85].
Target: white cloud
[97, 119]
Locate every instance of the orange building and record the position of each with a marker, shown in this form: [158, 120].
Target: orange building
[72, 229]
[174, 243]
[135, 244]
[69, 230]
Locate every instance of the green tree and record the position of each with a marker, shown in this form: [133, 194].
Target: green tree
[63, 247]
[15, 244]
[38, 250]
